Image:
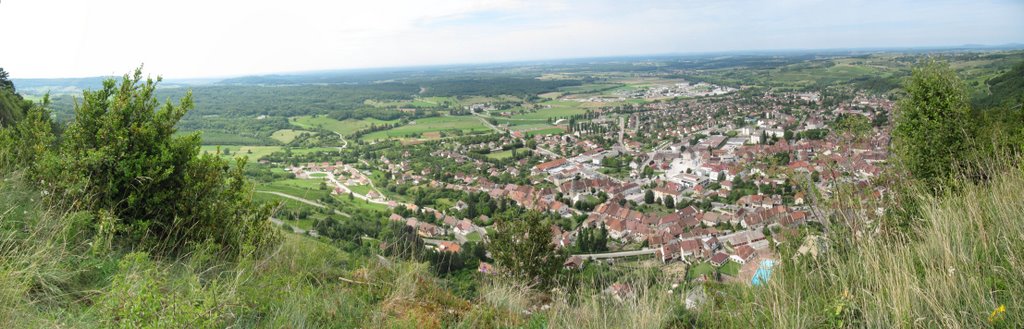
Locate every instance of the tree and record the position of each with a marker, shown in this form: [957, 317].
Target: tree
[932, 124]
[5, 81]
[121, 157]
[649, 197]
[522, 247]
[853, 126]
[669, 202]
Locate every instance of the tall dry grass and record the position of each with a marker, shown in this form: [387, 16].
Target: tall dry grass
[963, 259]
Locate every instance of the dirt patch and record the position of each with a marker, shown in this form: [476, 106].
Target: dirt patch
[432, 135]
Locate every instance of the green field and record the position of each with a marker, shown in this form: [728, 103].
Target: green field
[426, 102]
[344, 127]
[289, 205]
[590, 88]
[504, 154]
[253, 152]
[287, 135]
[313, 149]
[484, 99]
[303, 188]
[545, 131]
[256, 152]
[731, 268]
[559, 109]
[424, 128]
[699, 269]
[360, 189]
[220, 138]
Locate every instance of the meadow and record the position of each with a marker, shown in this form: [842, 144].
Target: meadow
[343, 127]
[429, 128]
[253, 152]
[286, 136]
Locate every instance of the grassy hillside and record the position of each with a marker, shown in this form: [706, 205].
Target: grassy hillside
[963, 265]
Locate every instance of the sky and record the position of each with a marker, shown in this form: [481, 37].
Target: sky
[222, 38]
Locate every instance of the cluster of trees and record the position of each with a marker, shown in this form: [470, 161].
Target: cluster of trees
[592, 240]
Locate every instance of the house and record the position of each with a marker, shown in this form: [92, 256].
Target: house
[449, 246]
[743, 254]
[663, 191]
[738, 239]
[463, 227]
[798, 199]
[573, 263]
[719, 259]
[428, 230]
[549, 166]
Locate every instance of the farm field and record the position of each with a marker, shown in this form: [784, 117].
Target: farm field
[590, 88]
[546, 131]
[303, 188]
[286, 136]
[531, 127]
[253, 152]
[344, 127]
[221, 138]
[504, 154]
[559, 109]
[286, 206]
[429, 128]
[360, 189]
[313, 149]
[483, 99]
[425, 102]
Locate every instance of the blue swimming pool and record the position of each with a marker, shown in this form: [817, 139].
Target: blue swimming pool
[764, 271]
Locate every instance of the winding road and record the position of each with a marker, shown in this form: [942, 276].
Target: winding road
[306, 201]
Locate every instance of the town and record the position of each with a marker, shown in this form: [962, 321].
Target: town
[708, 183]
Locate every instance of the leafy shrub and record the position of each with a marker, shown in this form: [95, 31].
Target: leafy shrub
[121, 155]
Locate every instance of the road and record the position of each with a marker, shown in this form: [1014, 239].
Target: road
[435, 242]
[488, 123]
[295, 229]
[343, 140]
[618, 254]
[334, 180]
[548, 152]
[306, 201]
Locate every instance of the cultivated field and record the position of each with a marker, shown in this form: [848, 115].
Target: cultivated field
[253, 152]
[286, 136]
[429, 128]
[344, 127]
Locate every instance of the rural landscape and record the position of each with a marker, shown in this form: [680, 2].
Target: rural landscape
[834, 188]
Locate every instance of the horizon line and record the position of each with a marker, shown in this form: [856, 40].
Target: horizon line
[1004, 46]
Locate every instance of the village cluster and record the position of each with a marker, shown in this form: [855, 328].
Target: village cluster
[700, 180]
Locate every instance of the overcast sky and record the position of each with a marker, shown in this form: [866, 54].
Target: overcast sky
[216, 38]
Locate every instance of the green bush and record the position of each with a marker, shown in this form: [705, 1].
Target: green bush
[121, 156]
